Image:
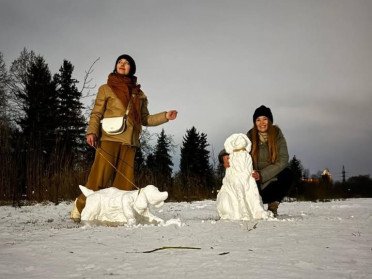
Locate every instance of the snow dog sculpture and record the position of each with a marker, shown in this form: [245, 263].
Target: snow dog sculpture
[238, 198]
[117, 206]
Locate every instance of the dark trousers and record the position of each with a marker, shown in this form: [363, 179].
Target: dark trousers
[278, 189]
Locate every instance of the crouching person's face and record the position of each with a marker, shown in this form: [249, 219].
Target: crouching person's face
[225, 161]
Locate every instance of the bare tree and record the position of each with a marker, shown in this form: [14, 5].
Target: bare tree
[86, 87]
[17, 83]
[4, 80]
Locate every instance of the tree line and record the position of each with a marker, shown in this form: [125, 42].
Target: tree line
[323, 188]
[44, 156]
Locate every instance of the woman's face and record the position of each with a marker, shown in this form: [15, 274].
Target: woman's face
[123, 67]
[262, 124]
[226, 161]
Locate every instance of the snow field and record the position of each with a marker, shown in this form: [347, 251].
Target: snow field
[308, 240]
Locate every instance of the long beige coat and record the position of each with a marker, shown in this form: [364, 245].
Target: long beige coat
[107, 104]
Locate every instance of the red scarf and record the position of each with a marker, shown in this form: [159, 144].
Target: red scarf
[124, 87]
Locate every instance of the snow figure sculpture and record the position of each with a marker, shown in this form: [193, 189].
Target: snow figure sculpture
[117, 206]
[238, 198]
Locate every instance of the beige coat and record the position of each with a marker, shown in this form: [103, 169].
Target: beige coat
[107, 104]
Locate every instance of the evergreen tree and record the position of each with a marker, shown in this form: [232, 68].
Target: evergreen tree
[162, 157]
[205, 166]
[297, 169]
[159, 163]
[39, 104]
[151, 164]
[71, 123]
[163, 161]
[206, 170]
[195, 167]
[189, 153]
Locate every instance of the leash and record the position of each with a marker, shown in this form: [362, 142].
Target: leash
[116, 169]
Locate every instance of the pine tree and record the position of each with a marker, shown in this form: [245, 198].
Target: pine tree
[37, 120]
[189, 163]
[195, 169]
[159, 163]
[297, 168]
[151, 165]
[206, 170]
[71, 123]
[39, 104]
[162, 157]
[163, 166]
[297, 171]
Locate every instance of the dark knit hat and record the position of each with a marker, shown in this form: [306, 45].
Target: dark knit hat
[263, 111]
[221, 154]
[132, 64]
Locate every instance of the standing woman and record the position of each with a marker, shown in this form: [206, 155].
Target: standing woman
[270, 159]
[120, 96]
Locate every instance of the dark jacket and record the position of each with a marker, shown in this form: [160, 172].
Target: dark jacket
[269, 171]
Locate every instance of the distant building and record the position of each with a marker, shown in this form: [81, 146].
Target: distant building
[326, 176]
[314, 180]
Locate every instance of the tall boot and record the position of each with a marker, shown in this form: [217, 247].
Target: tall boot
[273, 207]
[75, 213]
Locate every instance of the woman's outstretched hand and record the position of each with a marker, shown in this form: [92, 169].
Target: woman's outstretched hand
[171, 115]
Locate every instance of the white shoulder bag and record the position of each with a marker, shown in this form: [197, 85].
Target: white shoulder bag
[116, 125]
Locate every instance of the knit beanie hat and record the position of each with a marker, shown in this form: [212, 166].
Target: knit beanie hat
[132, 64]
[263, 111]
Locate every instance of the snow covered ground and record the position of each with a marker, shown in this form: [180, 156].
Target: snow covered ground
[309, 240]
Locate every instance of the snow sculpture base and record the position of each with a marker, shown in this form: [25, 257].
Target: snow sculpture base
[238, 198]
[114, 206]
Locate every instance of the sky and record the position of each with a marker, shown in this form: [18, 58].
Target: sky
[216, 61]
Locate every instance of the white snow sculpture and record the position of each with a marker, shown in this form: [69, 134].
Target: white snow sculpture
[238, 198]
[118, 206]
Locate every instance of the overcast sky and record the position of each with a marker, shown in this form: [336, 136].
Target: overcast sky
[216, 61]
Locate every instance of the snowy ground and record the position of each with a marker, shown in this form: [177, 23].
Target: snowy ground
[308, 240]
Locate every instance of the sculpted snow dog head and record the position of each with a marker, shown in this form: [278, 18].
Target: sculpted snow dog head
[237, 142]
[150, 195]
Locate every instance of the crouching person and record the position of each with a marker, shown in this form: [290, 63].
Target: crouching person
[270, 159]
